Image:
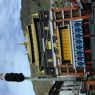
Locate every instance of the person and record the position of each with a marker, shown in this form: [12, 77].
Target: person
[16, 77]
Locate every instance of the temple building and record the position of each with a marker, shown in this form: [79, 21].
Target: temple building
[60, 42]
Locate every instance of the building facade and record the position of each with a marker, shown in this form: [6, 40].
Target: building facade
[59, 44]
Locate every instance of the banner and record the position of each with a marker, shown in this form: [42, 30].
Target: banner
[78, 45]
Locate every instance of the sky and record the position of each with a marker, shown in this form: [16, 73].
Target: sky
[12, 54]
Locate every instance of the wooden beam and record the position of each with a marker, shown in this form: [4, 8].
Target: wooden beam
[73, 74]
[65, 66]
[90, 82]
[65, 9]
[73, 18]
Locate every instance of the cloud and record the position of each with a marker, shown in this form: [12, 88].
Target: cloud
[10, 30]
[12, 55]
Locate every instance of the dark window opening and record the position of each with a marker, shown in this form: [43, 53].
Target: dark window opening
[67, 14]
[86, 28]
[87, 43]
[31, 40]
[88, 57]
[75, 13]
[66, 61]
[58, 15]
[40, 33]
[65, 27]
[61, 43]
[39, 37]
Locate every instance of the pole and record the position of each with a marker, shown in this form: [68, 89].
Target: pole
[19, 77]
[61, 78]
